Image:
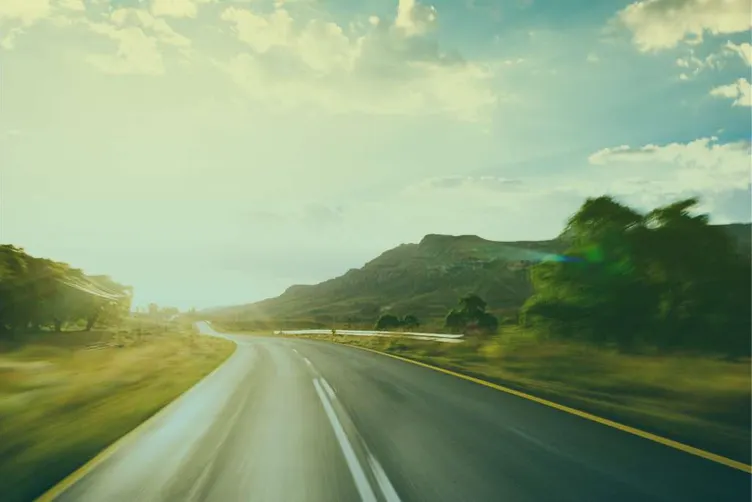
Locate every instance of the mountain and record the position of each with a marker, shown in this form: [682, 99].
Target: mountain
[423, 279]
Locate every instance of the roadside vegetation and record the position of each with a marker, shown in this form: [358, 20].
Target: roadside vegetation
[644, 319]
[78, 371]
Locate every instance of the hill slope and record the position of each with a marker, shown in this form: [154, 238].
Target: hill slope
[423, 279]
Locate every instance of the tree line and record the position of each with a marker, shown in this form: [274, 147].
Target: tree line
[470, 317]
[664, 279]
[37, 294]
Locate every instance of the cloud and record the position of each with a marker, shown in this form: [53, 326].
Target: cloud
[138, 36]
[494, 183]
[740, 91]
[137, 52]
[743, 50]
[174, 8]
[657, 172]
[26, 12]
[75, 5]
[379, 68]
[286, 58]
[414, 19]
[8, 42]
[159, 28]
[694, 65]
[663, 24]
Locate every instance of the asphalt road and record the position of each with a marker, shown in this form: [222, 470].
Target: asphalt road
[288, 420]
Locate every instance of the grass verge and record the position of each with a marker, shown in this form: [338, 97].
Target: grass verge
[700, 401]
[64, 397]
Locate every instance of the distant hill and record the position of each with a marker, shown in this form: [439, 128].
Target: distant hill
[423, 279]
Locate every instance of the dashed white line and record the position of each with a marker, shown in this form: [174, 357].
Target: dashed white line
[296, 351]
[390, 494]
[359, 476]
[309, 363]
[328, 389]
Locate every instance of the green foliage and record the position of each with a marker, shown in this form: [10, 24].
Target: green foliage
[387, 322]
[37, 293]
[455, 321]
[666, 279]
[471, 317]
[410, 322]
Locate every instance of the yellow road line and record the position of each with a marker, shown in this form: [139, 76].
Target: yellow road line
[129, 437]
[609, 423]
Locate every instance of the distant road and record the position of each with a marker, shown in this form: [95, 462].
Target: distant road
[293, 420]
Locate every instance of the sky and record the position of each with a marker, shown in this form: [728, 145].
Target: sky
[215, 152]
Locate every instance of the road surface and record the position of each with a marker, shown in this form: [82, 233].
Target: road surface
[288, 420]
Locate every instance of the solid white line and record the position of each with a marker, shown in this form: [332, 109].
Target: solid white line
[390, 494]
[359, 476]
[328, 389]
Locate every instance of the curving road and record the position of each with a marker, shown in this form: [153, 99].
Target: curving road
[287, 420]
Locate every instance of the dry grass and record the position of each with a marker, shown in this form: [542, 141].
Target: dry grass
[66, 396]
[702, 401]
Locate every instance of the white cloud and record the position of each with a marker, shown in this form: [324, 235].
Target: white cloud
[261, 32]
[593, 58]
[702, 166]
[414, 18]
[475, 183]
[8, 42]
[380, 69]
[663, 24]
[75, 5]
[743, 50]
[158, 27]
[26, 12]
[740, 91]
[137, 53]
[174, 8]
[694, 65]
[138, 35]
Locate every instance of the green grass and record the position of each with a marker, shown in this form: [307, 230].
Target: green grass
[701, 401]
[64, 397]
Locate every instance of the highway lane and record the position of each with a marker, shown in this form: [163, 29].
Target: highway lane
[299, 420]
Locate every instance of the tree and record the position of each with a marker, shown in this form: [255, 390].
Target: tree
[471, 316]
[387, 322]
[455, 321]
[472, 305]
[665, 279]
[410, 322]
[488, 323]
[36, 292]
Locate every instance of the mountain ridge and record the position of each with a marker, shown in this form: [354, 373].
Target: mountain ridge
[424, 279]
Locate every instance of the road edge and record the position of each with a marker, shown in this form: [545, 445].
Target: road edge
[713, 457]
[74, 477]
